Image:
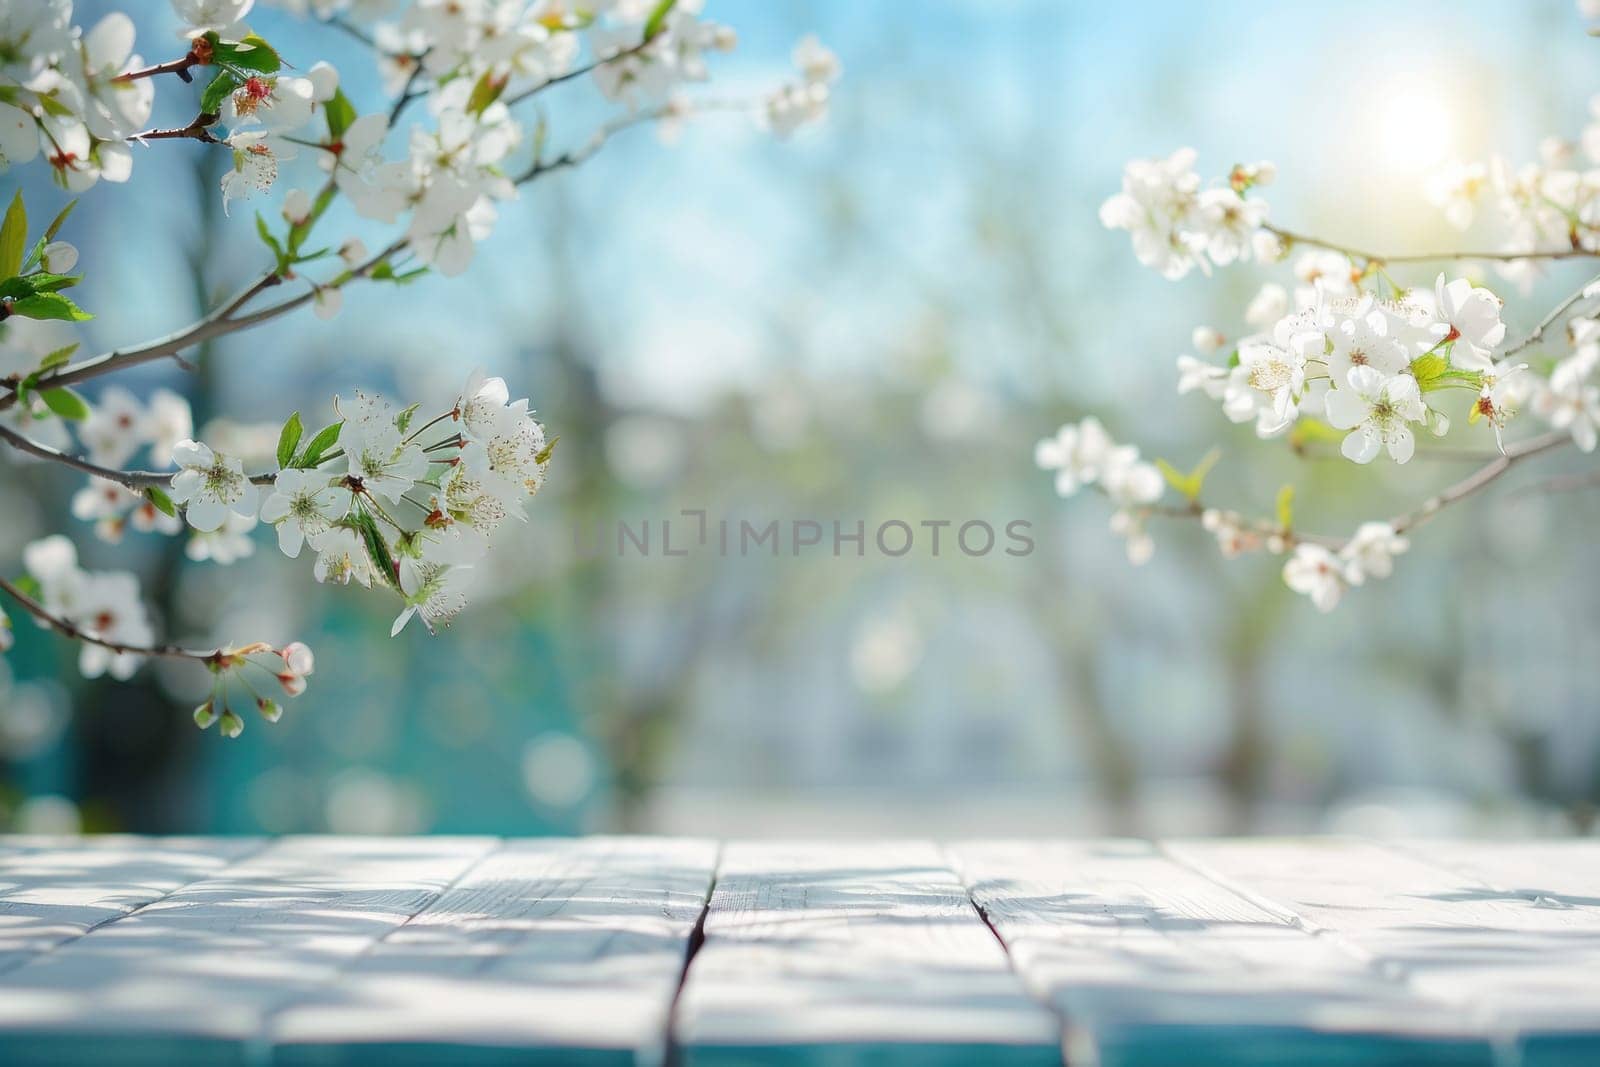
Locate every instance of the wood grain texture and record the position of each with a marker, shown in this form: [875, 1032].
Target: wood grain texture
[1149, 962]
[54, 890]
[1525, 967]
[858, 953]
[554, 951]
[192, 977]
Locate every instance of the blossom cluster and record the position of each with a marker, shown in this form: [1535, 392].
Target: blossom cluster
[1083, 455]
[1349, 354]
[381, 499]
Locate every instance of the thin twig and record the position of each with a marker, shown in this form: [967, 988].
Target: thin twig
[578, 72]
[1427, 257]
[1550, 320]
[70, 629]
[225, 320]
[134, 480]
[180, 67]
[198, 130]
[1480, 478]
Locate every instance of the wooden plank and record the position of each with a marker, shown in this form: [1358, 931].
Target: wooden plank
[53, 890]
[1524, 967]
[192, 977]
[552, 951]
[1151, 963]
[854, 953]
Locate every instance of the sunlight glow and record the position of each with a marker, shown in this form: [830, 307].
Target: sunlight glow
[1415, 127]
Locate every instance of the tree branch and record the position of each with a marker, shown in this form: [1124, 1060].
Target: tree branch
[134, 480]
[1480, 478]
[197, 130]
[68, 628]
[1293, 238]
[1550, 320]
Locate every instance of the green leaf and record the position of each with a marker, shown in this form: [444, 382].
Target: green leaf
[66, 403]
[485, 91]
[340, 114]
[211, 100]
[49, 306]
[1189, 485]
[163, 503]
[1286, 507]
[56, 223]
[658, 19]
[402, 421]
[13, 237]
[547, 451]
[1233, 359]
[265, 233]
[320, 443]
[252, 53]
[58, 358]
[53, 106]
[44, 282]
[288, 439]
[377, 547]
[27, 584]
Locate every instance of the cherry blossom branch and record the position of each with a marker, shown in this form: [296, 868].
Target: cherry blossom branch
[217, 323]
[578, 72]
[134, 480]
[180, 67]
[1480, 478]
[67, 628]
[1550, 320]
[197, 130]
[1403, 523]
[1293, 238]
[226, 319]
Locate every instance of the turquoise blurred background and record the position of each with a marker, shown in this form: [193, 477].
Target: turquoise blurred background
[873, 320]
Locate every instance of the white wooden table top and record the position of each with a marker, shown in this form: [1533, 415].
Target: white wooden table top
[335, 950]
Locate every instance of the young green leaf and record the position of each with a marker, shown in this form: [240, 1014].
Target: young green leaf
[377, 548]
[340, 114]
[321, 442]
[1286, 507]
[658, 19]
[13, 237]
[1189, 485]
[252, 54]
[58, 358]
[402, 421]
[49, 306]
[66, 403]
[211, 100]
[56, 223]
[163, 503]
[288, 439]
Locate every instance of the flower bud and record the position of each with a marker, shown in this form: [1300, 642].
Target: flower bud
[298, 658]
[59, 257]
[296, 207]
[353, 252]
[230, 724]
[293, 684]
[270, 710]
[205, 715]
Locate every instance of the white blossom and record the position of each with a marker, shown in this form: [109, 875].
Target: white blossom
[303, 505]
[210, 485]
[1370, 552]
[1316, 572]
[1376, 410]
